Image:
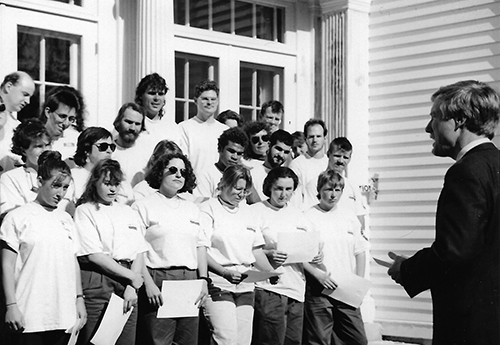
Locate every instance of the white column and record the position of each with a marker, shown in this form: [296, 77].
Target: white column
[155, 42]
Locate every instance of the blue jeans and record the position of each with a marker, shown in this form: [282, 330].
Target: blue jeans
[278, 319]
[152, 330]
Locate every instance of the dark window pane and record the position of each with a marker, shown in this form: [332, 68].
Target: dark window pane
[180, 12]
[75, 2]
[280, 24]
[264, 86]
[198, 71]
[28, 53]
[198, 14]
[179, 111]
[265, 22]
[221, 18]
[33, 109]
[179, 77]
[243, 13]
[193, 109]
[246, 86]
[57, 59]
[246, 114]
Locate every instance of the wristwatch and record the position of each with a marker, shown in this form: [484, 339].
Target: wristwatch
[207, 279]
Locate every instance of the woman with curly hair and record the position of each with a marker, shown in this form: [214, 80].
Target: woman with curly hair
[177, 248]
[111, 249]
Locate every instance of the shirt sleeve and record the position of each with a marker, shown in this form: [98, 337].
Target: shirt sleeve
[88, 232]
[9, 233]
[11, 196]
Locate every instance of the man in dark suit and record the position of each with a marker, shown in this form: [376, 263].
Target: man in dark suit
[462, 266]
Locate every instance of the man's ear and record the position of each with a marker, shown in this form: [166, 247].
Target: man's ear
[39, 181]
[460, 123]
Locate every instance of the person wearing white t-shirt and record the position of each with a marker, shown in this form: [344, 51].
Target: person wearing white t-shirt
[40, 274]
[111, 250]
[230, 145]
[177, 249]
[15, 92]
[309, 165]
[150, 94]
[235, 246]
[344, 250]
[199, 134]
[279, 310]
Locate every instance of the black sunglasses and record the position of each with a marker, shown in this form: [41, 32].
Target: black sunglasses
[256, 139]
[173, 170]
[102, 147]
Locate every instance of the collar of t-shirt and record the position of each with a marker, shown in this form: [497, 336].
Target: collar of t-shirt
[470, 146]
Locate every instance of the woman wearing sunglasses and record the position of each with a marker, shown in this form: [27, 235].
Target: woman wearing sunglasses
[258, 136]
[177, 248]
[111, 249]
[40, 274]
[236, 246]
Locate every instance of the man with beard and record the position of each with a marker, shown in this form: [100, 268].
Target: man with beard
[129, 124]
[231, 145]
[15, 93]
[280, 148]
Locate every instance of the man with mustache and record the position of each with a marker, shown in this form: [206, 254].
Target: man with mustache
[15, 93]
[462, 266]
[280, 148]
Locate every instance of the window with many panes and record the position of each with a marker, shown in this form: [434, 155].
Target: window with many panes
[258, 84]
[189, 71]
[50, 58]
[243, 18]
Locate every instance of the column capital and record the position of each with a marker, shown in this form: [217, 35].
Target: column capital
[328, 6]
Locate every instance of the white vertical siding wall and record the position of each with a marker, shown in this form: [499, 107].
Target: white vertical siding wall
[416, 46]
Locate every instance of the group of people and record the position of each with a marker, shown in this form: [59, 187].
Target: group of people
[118, 212]
[88, 213]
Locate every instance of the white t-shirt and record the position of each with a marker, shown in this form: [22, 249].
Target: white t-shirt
[287, 219]
[352, 199]
[133, 161]
[172, 231]
[157, 130]
[307, 169]
[340, 233]
[8, 160]
[19, 187]
[259, 173]
[233, 234]
[45, 272]
[66, 144]
[199, 142]
[207, 181]
[114, 230]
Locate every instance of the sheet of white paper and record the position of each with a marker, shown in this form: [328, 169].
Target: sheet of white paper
[300, 246]
[351, 289]
[382, 262]
[74, 333]
[257, 276]
[112, 323]
[179, 297]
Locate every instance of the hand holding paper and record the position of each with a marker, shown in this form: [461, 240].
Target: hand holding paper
[300, 246]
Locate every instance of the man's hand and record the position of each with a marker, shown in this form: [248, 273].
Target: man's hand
[395, 270]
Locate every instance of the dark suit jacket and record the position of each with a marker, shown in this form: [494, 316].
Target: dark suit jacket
[462, 267]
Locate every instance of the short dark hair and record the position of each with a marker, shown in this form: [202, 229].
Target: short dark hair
[205, 85]
[232, 174]
[68, 96]
[86, 139]
[229, 115]
[274, 175]
[154, 175]
[50, 161]
[276, 107]
[101, 168]
[312, 122]
[329, 177]
[135, 107]
[471, 101]
[154, 82]
[26, 133]
[11, 78]
[252, 128]
[236, 135]
[282, 136]
[339, 143]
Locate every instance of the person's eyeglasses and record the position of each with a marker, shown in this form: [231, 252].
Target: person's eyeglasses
[244, 192]
[173, 170]
[257, 139]
[103, 147]
[63, 117]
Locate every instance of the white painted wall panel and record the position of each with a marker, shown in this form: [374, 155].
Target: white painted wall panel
[416, 46]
